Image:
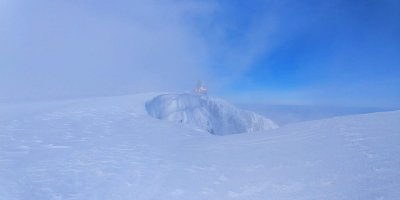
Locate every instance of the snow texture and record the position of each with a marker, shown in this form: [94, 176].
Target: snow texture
[207, 113]
[109, 148]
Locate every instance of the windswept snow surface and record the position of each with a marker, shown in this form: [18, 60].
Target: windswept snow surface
[207, 113]
[109, 148]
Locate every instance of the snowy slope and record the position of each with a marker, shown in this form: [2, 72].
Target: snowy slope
[109, 148]
[207, 113]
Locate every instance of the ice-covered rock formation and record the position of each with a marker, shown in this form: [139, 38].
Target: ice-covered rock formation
[208, 113]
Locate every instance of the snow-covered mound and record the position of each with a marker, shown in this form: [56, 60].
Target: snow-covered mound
[207, 113]
[110, 148]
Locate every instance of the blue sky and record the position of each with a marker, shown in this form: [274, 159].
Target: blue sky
[280, 52]
[323, 52]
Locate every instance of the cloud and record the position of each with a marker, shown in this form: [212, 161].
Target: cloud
[284, 50]
[88, 48]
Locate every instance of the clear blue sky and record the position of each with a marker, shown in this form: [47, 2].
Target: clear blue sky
[322, 52]
[333, 52]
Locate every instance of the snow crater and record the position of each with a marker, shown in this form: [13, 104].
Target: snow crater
[207, 113]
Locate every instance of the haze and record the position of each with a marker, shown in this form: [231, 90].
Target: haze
[278, 52]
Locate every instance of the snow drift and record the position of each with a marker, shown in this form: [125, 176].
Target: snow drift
[207, 113]
[110, 148]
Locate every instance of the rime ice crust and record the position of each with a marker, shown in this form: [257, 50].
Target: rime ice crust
[207, 113]
[110, 148]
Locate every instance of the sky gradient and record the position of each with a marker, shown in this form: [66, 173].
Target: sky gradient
[337, 52]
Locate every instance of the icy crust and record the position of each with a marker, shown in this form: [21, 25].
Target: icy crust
[207, 113]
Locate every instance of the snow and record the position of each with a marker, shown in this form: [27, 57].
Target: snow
[110, 148]
[207, 113]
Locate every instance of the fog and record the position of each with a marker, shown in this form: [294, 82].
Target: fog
[276, 52]
[64, 49]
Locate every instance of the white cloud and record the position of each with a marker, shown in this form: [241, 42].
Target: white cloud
[52, 49]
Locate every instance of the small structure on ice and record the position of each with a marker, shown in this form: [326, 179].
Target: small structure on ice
[201, 88]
